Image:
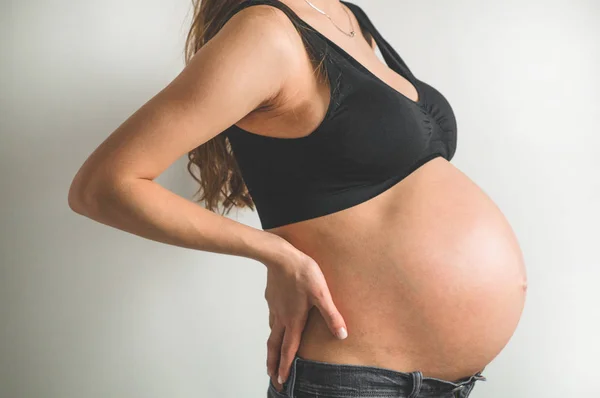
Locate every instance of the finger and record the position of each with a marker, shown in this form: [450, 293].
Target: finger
[271, 319]
[330, 313]
[274, 349]
[289, 347]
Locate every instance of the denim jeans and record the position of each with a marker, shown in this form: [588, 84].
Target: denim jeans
[314, 379]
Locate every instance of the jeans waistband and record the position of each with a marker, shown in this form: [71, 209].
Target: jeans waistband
[347, 380]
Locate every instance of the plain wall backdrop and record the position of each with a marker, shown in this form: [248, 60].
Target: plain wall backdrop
[90, 311]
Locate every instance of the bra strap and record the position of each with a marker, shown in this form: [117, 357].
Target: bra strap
[388, 52]
[314, 47]
[296, 20]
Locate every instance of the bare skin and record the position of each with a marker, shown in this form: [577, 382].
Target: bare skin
[430, 271]
[245, 66]
[427, 275]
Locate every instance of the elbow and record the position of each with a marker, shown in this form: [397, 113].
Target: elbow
[84, 194]
[79, 195]
[76, 199]
[91, 195]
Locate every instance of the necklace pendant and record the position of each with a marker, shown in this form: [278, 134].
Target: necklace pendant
[352, 34]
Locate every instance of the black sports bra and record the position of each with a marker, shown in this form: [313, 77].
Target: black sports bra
[372, 136]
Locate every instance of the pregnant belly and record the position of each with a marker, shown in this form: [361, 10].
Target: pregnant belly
[428, 276]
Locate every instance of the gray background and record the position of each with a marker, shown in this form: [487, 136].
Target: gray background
[90, 311]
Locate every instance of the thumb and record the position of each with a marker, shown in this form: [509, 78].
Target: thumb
[330, 313]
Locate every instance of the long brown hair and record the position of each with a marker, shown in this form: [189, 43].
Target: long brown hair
[219, 176]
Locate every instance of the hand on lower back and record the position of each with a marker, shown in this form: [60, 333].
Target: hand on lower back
[295, 284]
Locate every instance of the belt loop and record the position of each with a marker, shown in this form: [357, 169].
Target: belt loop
[469, 384]
[291, 380]
[479, 375]
[417, 381]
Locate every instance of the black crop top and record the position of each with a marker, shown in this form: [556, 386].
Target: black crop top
[372, 136]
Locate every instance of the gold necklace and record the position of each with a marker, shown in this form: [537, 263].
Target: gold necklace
[352, 32]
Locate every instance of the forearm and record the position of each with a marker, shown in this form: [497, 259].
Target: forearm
[145, 208]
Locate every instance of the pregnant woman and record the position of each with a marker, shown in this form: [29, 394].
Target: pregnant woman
[389, 272]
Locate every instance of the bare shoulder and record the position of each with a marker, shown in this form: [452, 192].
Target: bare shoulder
[265, 26]
[246, 64]
[264, 37]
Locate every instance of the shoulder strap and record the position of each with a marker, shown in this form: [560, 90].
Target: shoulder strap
[296, 20]
[278, 4]
[388, 52]
[314, 47]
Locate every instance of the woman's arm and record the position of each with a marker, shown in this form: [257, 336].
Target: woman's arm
[242, 67]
